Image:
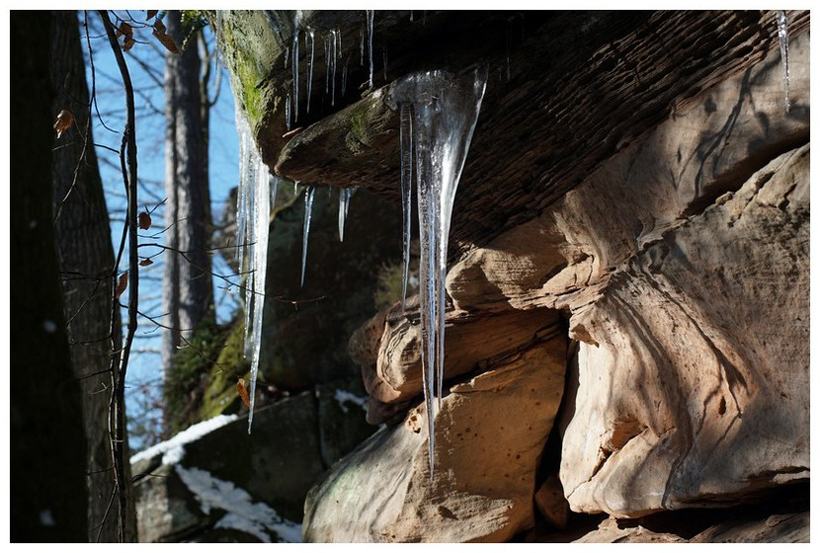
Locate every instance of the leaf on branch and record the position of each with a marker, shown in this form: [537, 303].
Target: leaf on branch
[144, 220]
[64, 121]
[243, 392]
[164, 38]
[146, 262]
[122, 284]
[151, 14]
[128, 43]
[125, 30]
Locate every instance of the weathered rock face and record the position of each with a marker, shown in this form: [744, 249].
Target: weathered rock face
[654, 192]
[694, 371]
[490, 434]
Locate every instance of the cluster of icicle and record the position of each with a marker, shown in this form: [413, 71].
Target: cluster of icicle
[438, 112]
[783, 36]
[253, 207]
[333, 55]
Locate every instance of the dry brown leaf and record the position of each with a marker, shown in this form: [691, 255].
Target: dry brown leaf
[128, 43]
[122, 284]
[145, 262]
[64, 121]
[144, 220]
[164, 38]
[151, 14]
[243, 392]
[124, 30]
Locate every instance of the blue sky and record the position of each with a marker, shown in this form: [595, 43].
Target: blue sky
[145, 371]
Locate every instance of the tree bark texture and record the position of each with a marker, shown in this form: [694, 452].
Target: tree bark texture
[48, 453]
[187, 280]
[87, 263]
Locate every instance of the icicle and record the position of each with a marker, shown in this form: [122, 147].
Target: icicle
[327, 65]
[287, 56]
[333, 67]
[245, 151]
[370, 14]
[310, 69]
[260, 263]
[296, 188]
[249, 256]
[309, 193]
[344, 203]
[287, 112]
[444, 111]
[411, 16]
[406, 143]
[783, 35]
[295, 74]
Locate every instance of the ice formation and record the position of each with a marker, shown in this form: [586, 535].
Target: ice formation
[443, 111]
[783, 35]
[296, 20]
[253, 206]
[344, 203]
[310, 34]
[310, 192]
[370, 15]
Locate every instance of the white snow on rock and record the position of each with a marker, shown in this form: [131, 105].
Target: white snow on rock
[343, 397]
[174, 449]
[257, 519]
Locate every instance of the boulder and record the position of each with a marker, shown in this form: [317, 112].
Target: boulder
[216, 477]
[694, 362]
[490, 434]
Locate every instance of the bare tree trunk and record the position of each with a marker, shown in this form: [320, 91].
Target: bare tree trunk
[170, 277]
[189, 203]
[84, 246]
[48, 445]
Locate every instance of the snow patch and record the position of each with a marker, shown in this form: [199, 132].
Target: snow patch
[343, 397]
[174, 449]
[243, 514]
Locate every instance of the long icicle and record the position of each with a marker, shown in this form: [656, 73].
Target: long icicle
[311, 34]
[295, 75]
[783, 35]
[406, 143]
[370, 19]
[309, 193]
[260, 262]
[443, 111]
[333, 67]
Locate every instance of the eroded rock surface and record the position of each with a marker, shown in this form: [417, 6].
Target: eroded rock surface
[694, 367]
[490, 434]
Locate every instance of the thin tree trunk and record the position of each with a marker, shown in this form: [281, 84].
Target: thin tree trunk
[187, 280]
[48, 455]
[170, 276]
[84, 246]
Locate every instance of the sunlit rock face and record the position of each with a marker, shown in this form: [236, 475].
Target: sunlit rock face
[693, 375]
[645, 209]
